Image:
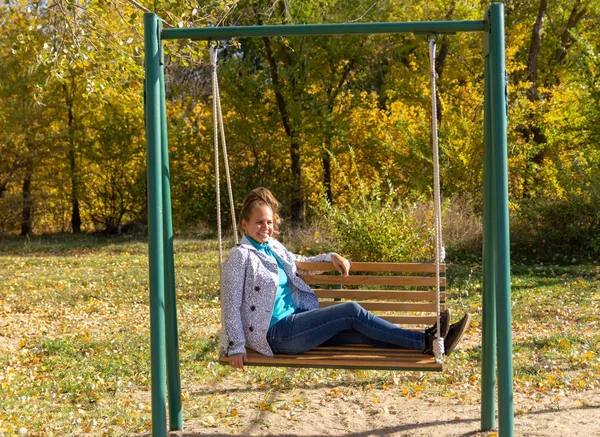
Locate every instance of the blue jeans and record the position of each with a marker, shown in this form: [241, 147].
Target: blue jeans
[345, 323]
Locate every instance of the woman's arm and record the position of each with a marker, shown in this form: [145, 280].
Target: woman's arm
[339, 262]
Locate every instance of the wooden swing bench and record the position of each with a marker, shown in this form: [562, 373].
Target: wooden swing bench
[401, 293]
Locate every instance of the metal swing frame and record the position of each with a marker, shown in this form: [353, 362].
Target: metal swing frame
[496, 306]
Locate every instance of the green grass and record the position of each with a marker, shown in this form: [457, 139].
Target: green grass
[74, 338]
[74, 329]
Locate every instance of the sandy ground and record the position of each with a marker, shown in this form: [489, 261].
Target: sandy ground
[357, 413]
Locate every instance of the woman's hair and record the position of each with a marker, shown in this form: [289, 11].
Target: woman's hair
[260, 197]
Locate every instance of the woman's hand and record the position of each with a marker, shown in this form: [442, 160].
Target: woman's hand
[238, 360]
[341, 263]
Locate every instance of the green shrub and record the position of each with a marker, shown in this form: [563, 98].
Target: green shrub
[378, 228]
[568, 226]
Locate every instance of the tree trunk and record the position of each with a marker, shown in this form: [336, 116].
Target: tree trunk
[577, 13]
[329, 128]
[566, 39]
[75, 213]
[298, 205]
[326, 161]
[536, 133]
[72, 156]
[534, 51]
[532, 130]
[297, 190]
[26, 215]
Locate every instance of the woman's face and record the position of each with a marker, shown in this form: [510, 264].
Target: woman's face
[260, 225]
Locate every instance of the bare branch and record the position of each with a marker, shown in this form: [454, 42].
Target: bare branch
[363, 14]
[71, 30]
[145, 9]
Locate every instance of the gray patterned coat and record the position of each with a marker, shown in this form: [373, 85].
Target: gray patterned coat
[248, 287]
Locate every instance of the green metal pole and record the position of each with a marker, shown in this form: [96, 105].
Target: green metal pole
[172, 337]
[488, 344]
[424, 27]
[155, 226]
[501, 220]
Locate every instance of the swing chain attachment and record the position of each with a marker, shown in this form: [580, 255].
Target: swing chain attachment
[432, 39]
[432, 36]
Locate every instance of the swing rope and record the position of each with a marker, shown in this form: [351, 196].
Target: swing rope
[438, 344]
[218, 128]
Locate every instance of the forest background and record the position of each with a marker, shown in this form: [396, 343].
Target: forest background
[338, 127]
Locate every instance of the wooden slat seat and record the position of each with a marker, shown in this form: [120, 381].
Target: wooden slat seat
[402, 293]
[348, 357]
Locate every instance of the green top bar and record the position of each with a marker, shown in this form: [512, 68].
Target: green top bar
[221, 33]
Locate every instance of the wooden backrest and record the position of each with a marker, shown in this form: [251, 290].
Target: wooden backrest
[402, 293]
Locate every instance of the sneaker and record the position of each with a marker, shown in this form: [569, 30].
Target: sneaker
[431, 332]
[455, 333]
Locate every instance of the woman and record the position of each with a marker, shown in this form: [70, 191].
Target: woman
[269, 308]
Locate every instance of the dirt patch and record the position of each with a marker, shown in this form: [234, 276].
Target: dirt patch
[341, 411]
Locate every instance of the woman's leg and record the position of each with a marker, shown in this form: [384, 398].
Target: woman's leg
[303, 331]
[355, 337]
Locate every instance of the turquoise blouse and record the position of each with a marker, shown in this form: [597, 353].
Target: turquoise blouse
[284, 304]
